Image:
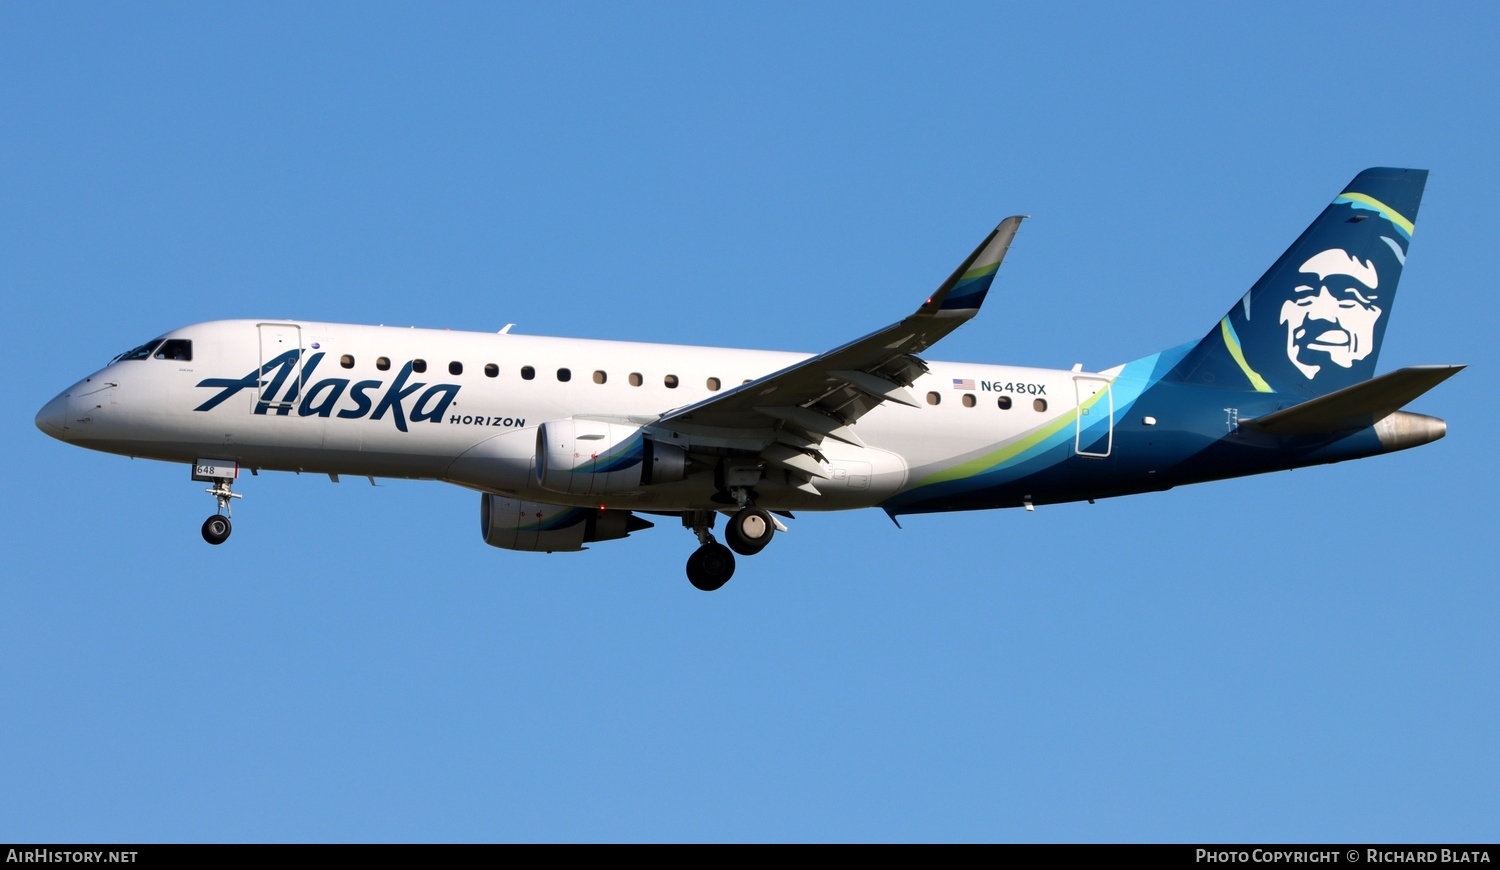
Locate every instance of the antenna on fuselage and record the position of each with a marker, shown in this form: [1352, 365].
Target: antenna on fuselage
[505, 330]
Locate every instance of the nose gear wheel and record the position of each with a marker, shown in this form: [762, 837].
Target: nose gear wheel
[216, 529]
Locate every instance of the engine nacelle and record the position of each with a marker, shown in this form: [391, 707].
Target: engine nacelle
[553, 528]
[591, 457]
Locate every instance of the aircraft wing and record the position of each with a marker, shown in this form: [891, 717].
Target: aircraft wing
[823, 396]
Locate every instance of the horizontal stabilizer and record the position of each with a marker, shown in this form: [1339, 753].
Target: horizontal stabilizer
[1356, 407]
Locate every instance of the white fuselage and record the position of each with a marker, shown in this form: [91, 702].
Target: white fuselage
[464, 407]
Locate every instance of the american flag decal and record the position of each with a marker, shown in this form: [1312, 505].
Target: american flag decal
[963, 384]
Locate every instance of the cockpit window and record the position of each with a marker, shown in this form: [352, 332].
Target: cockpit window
[142, 352]
[175, 348]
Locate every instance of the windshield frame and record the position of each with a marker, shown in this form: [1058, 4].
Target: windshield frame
[143, 351]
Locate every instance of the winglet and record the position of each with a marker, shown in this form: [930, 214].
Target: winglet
[964, 291]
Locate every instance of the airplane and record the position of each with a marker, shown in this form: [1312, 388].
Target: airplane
[571, 442]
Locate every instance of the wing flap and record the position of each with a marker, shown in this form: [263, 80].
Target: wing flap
[876, 386]
[813, 422]
[792, 459]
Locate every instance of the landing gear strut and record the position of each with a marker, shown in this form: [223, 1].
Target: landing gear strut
[216, 528]
[711, 565]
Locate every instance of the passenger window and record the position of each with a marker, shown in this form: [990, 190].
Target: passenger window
[969, 400]
[635, 379]
[1039, 404]
[713, 384]
[1004, 403]
[346, 361]
[419, 365]
[600, 377]
[491, 370]
[670, 381]
[455, 368]
[383, 363]
[565, 375]
[934, 398]
[176, 349]
[527, 373]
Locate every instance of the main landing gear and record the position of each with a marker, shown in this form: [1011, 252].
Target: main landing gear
[748, 532]
[711, 565]
[216, 528]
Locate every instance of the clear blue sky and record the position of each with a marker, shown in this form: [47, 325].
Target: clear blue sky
[1307, 656]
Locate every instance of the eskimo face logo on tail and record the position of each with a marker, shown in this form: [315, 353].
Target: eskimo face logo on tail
[279, 394]
[1331, 314]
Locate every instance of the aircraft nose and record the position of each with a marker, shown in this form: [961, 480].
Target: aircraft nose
[53, 418]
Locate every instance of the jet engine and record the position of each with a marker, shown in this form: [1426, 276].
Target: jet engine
[592, 457]
[528, 525]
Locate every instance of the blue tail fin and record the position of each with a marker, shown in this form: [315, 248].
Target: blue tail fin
[1314, 322]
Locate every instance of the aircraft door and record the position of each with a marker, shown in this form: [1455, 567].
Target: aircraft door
[281, 379]
[1094, 429]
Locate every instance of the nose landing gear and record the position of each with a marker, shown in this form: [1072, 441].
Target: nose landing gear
[216, 528]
